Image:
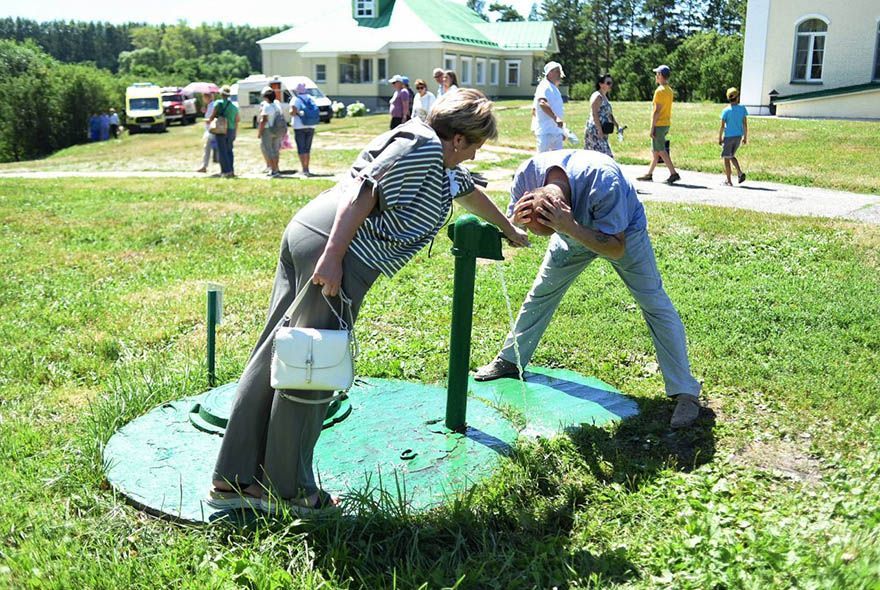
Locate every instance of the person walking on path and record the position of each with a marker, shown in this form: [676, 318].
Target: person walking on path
[398, 106]
[661, 119]
[601, 122]
[210, 145]
[271, 130]
[411, 95]
[392, 203]
[548, 110]
[114, 124]
[223, 107]
[438, 76]
[303, 129]
[734, 130]
[423, 100]
[593, 209]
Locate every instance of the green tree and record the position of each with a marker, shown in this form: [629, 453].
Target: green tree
[573, 31]
[478, 6]
[706, 64]
[506, 13]
[632, 71]
[131, 61]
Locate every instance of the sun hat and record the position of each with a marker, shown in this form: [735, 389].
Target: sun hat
[663, 70]
[225, 91]
[395, 78]
[732, 93]
[552, 65]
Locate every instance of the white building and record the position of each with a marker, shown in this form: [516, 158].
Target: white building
[812, 58]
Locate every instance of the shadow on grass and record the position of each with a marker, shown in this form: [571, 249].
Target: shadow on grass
[642, 446]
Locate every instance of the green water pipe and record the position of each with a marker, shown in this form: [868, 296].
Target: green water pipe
[471, 238]
[215, 298]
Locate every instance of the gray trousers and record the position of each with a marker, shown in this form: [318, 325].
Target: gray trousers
[564, 261]
[269, 438]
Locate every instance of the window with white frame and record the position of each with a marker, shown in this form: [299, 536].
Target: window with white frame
[809, 50]
[494, 66]
[449, 62]
[320, 73]
[365, 8]
[466, 64]
[481, 72]
[877, 55]
[366, 70]
[382, 68]
[511, 76]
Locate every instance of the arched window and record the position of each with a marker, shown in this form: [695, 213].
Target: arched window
[809, 50]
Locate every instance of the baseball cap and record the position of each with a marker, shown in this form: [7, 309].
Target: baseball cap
[405, 80]
[552, 65]
[395, 78]
[732, 92]
[663, 70]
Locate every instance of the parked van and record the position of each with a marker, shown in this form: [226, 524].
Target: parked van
[249, 98]
[143, 108]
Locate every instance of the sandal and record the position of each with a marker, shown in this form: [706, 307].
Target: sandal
[234, 499]
[323, 504]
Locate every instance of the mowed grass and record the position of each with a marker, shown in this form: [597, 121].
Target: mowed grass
[829, 154]
[102, 318]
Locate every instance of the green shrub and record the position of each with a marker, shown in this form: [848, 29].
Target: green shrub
[705, 65]
[632, 71]
[581, 91]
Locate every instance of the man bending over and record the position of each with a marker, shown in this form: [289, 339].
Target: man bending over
[583, 199]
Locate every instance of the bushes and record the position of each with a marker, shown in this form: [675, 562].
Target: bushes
[47, 104]
[632, 71]
[705, 65]
[581, 91]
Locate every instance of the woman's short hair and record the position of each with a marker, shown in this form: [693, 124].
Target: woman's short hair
[452, 76]
[601, 79]
[421, 82]
[467, 112]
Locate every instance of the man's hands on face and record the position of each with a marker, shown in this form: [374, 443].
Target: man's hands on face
[555, 213]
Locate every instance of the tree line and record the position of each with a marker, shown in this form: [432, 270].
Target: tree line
[701, 40]
[173, 54]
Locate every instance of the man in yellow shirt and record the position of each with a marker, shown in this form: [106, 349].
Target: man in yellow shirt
[661, 118]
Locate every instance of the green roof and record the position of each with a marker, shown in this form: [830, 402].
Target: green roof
[453, 22]
[519, 35]
[829, 92]
[380, 21]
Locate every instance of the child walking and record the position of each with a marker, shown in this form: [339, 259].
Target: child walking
[734, 130]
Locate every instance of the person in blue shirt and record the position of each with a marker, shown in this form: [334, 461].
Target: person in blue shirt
[582, 198]
[734, 130]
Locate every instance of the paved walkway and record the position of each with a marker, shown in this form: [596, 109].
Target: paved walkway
[695, 187]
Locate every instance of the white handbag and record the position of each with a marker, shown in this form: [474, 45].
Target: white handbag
[314, 360]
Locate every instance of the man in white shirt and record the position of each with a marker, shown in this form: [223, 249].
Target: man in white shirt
[548, 111]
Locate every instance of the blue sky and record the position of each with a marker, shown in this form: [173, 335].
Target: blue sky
[169, 11]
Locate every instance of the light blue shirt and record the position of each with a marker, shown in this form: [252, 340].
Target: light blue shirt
[602, 199]
[733, 117]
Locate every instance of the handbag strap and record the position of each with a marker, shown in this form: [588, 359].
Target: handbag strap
[345, 301]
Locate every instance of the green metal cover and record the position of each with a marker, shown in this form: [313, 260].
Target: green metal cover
[162, 462]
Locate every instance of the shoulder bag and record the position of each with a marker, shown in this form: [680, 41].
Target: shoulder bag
[309, 359]
[219, 124]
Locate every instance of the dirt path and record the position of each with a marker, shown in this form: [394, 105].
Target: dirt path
[695, 188]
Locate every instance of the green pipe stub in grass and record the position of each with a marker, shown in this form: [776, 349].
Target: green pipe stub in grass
[393, 442]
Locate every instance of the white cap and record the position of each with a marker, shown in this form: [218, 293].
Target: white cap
[552, 65]
[395, 78]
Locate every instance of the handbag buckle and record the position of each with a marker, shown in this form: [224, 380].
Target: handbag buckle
[309, 360]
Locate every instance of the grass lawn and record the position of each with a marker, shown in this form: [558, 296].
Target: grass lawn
[102, 318]
[831, 154]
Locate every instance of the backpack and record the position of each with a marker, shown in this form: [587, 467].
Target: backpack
[279, 125]
[311, 112]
